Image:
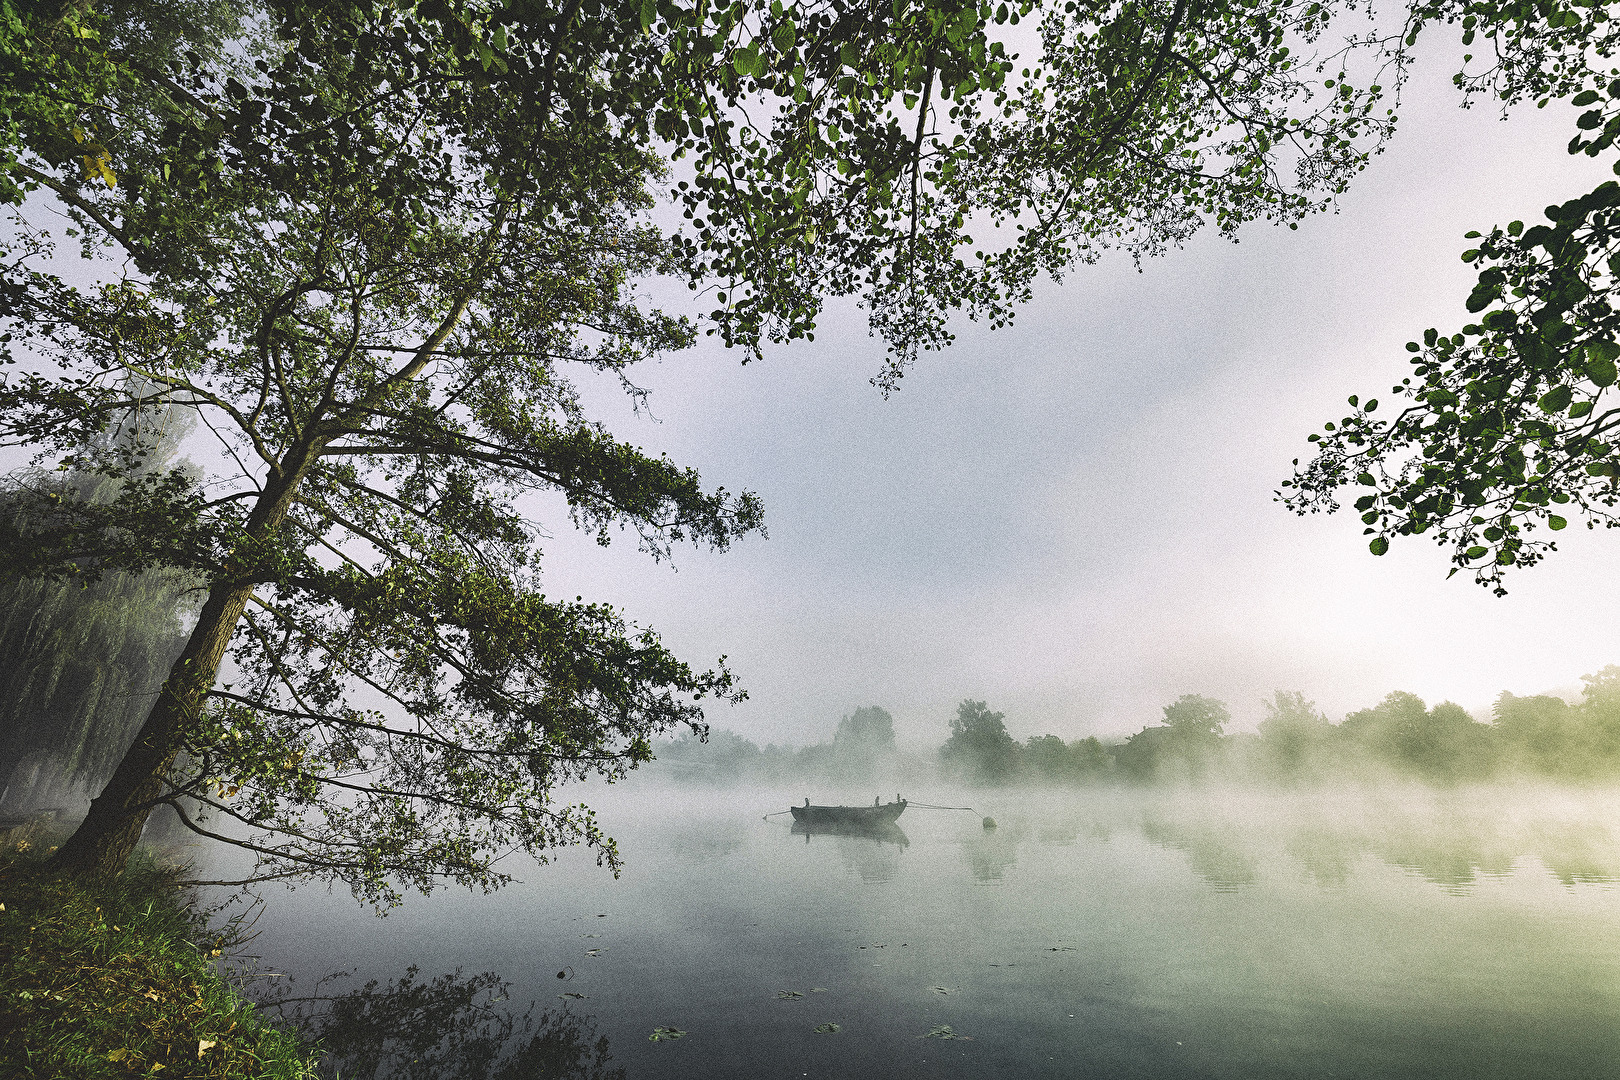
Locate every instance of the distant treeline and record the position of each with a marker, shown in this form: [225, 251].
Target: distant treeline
[1401, 736]
[862, 749]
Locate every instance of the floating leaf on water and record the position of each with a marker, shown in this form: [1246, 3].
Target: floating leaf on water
[570, 994]
[660, 1034]
[788, 995]
[1063, 948]
[594, 952]
[942, 990]
[826, 1029]
[818, 989]
[943, 1031]
[590, 935]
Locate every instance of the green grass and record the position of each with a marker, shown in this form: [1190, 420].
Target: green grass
[116, 979]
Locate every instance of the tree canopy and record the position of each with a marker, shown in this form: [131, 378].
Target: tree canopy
[980, 749]
[366, 244]
[1508, 425]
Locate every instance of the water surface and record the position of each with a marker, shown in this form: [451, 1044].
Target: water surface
[1370, 933]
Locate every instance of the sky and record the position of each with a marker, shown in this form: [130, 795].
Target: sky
[1073, 518]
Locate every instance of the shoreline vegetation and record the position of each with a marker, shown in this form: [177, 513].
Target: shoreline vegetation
[116, 978]
[1401, 738]
[104, 979]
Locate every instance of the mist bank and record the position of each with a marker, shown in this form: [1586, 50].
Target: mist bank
[1401, 738]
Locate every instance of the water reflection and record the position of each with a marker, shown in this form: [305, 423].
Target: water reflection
[1449, 843]
[886, 832]
[447, 1028]
[1209, 851]
[1327, 854]
[871, 851]
[1581, 854]
[991, 851]
[1452, 859]
[711, 840]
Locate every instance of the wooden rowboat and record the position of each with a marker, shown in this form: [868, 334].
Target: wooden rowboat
[878, 814]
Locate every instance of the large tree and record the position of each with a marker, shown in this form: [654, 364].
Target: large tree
[366, 242]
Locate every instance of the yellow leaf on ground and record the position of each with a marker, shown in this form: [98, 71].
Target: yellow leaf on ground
[203, 1045]
[118, 1055]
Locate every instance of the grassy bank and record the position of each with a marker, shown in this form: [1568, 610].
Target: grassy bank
[116, 980]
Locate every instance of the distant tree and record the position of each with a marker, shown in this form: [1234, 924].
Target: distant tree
[1049, 758]
[1443, 743]
[1539, 733]
[1089, 755]
[1376, 731]
[863, 741]
[979, 749]
[1293, 733]
[1449, 744]
[1197, 720]
[868, 730]
[715, 756]
[1600, 717]
[1191, 732]
[1140, 756]
[1046, 757]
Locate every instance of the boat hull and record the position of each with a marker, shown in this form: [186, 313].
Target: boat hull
[849, 815]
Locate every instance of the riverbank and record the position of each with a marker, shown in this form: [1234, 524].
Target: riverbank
[116, 980]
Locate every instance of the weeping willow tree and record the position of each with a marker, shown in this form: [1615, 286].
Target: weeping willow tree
[81, 662]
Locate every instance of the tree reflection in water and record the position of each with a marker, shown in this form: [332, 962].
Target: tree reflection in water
[871, 851]
[1212, 856]
[991, 851]
[447, 1028]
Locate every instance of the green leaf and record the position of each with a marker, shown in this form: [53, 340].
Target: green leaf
[1600, 369]
[1556, 400]
[1554, 522]
[784, 36]
[1476, 553]
[649, 14]
[1379, 545]
[1585, 97]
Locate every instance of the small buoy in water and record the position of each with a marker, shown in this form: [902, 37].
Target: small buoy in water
[989, 823]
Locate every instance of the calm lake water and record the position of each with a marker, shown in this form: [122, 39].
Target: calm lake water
[1372, 933]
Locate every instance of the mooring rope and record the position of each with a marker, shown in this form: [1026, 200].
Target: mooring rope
[931, 806]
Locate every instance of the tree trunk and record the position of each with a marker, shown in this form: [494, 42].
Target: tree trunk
[103, 843]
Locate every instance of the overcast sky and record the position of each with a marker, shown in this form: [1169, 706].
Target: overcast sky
[1073, 518]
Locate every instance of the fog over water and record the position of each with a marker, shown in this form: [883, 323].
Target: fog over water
[1384, 931]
